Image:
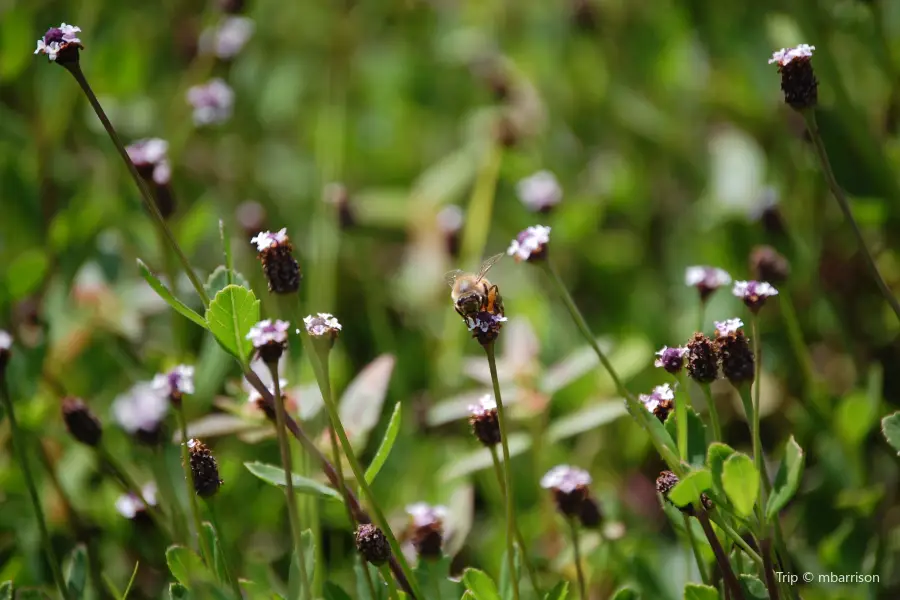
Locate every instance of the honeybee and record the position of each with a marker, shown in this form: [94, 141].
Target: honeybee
[473, 293]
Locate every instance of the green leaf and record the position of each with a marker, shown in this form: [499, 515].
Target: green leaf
[164, 293]
[131, 581]
[716, 456]
[295, 581]
[696, 450]
[695, 591]
[506, 588]
[76, 577]
[274, 475]
[6, 590]
[787, 480]
[559, 591]
[387, 443]
[31, 594]
[741, 481]
[25, 272]
[626, 593]
[333, 591]
[220, 278]
[435, 575]
[178, 592]
[689, 489]
[481, 585]
[363, 592]
[753, 588]
[230, 316]
[890, 425]
[252, 590]
[186, 566]
[212, 541]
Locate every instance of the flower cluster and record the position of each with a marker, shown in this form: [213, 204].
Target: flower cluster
[322, 325]
[204, 469]
[228, 38]
[277, 256]
[212, 102]
[175, 384]
[150, 157]
[372, 544]
[60, 44]
[754, 293]
[82, 423]
[667, 481]
[670, 359]
[735, 352]
[485, 326]
[531, 244]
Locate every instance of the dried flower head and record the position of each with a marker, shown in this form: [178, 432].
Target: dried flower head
[485, 326]
[570, 487]
[226, 40]
[131, 506]
[60, 44]
[427, 529]
[540, 192]
[204, 469]
[667, 481]
[703, 359]
[322, 325]
[81, 422]
[706, 279]
[141, 412]
[484, 421]
[767, 264]
[372, 544]
[735, 353]
[277, 256]
[5, 349]
[531, 244]
[213, 102]
[175, 384]
[660, 401]
[753, 293]
[269, 339]
[670, 359]
[798, 80]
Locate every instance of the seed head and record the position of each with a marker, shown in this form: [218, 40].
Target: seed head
[5, 350]
[212, 102]
[141, 412]
[427, 529]
[277, 256]
[60, 44]
[484, 421]
[531, 244]
[670, 359]
[269, 338]
[753, 293]
[570, 487]
[767, 264]
[485, 326]
[798, 80]
[372, 544]
[735, 352]
[667, 481]
[82, 424]
[204, 469]
[660, 402]
[175, 384]
[703, 359]
[540, 192]
[706, 279]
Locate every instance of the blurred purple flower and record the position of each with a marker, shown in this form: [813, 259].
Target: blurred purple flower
[729, 326]
[212, 102]
[540, 192]
[227, 39]
[150, 157]
[176, 382]
[140, 409]
[566, 479]
[530, 244]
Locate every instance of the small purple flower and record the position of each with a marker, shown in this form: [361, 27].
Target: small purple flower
[661, 396]
[269, 332]
[450, 219]
[58, 39]
[266, 239]
[5, 341]
[426, 515]
[566, 479]
[540, 192]
[175, 383]
[323, 324]
[728, 327]
[784, 56]
[530, 244]
[753, 293]
[486, 405]
[485, 326]
[706, 279]
[212, 102]
[130, 505]
[141, 411]
[150, 158]
[798, 79]
[227, 39]
[670, 359]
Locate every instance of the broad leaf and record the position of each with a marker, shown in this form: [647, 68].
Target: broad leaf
[506, 582]
[212, 541]
[186, 566]
[787, 480]
[890, 426]
[696, 450]
[164, 293]
[716, 456]
[753, 588]
[434, 575]
[361, 403]
[76, 577]
[689, 489]
[363, 591]
[695, 591]
[274, 475]
[222, 277]
[230, 316]
[740, 479]
[6, 590]
[387, 444]
[559, 592]
[626, 594]
[481, 585]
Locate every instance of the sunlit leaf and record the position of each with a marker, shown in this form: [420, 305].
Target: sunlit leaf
[696, 451]
[890, 426]
[740, 479]
[6, 590]
[186, 566]
[164, 293]
[230, 316]
[689, 489]
[787, 480]
[716, 456]
[481, 585]
[695, 591]
[387, 444]
[361, 402]
[559, 592]
[753, 588]
[274, 475]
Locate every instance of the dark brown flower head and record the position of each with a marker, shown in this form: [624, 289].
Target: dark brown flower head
[372, 544]
[484, 421]
[798, 80]
[589, 513]
[61, 44]
[767, 264]
[570, 487]
[735, 352]
[204, 469]
[667, 481]
[660, 402]
[702, 359]
[485, 326]
[584, 14]
[5, 350]
[82, 424]
[427, 529]
[337, 195]
[670, 359]
[277, 256]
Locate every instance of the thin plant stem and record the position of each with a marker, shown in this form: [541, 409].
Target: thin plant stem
[22, 457]
[766, 549]
[713, 412]
[809, 116]
[129, 485]
[289, 496]
[737, 539]
[392, 589]
[681, 416]
[168, 497]
[191, 486]
[582, 586]
[529, 566]
[795, 337]
[146, 195]
[731, 581]
[757, 438]
[701, 566]
[320, 366]
[368, 575]
[213, 516]
[701, 315]
[507, 473]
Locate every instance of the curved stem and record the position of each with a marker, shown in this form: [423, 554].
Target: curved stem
[191, 487]
[22, 457]
[392, 589]
[507, 474]
[289, 496]
[210, 503]
[713, 412]
[809, 116]
[582, 587]
[696, 549]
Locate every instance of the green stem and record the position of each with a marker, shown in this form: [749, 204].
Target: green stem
[368, 575]
[146, 195]
[809, 116]
[701, 566]
[769, 570]
[582, 587]
[319, 358]
[757, 438]
[191, 487]
[681, 416]
[529, 566]
[713, 412]
[22, 457]
[701, 312]
[129, 485]
[210, 504]
[289, 495]
[737, 539]
[168, 498]
[507, 473]
[392, 588]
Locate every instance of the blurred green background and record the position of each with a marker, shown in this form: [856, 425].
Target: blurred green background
[667, 131]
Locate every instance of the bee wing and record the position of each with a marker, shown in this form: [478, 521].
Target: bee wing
[450, 276]
[487, 264]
